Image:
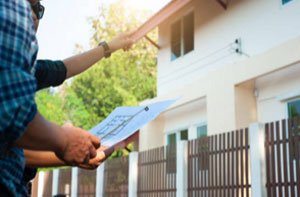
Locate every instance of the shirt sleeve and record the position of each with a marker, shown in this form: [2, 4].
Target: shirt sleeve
[50, 73]
[18, 49]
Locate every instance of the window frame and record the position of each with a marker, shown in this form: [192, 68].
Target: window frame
[181, 19]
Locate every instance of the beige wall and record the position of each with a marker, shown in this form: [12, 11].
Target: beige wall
[220, 87]
[275, 90]
[245, 104]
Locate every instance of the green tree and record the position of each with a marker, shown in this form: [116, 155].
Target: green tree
[126, 78]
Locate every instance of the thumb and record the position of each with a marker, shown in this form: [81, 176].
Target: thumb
[96, 141]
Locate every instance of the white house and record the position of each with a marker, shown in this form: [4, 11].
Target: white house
[231, 62]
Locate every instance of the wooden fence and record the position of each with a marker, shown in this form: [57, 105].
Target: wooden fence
[219, 165]
[282, 158]
[157, 172]
[116, 177]
[86, 183]
[64, 181]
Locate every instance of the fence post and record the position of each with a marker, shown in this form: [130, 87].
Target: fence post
[74, 182]
[181, 168]
[133, 174]
[257, 158]
[99, 180]
[41, 184]
[55, 182]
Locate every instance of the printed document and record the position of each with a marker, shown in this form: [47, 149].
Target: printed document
[125, 121]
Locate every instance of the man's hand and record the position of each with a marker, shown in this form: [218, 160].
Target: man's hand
[80, 146]
[96, 161]
[104, 152]
[121, 41]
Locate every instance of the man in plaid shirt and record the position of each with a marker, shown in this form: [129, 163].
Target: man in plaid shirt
[21, 125]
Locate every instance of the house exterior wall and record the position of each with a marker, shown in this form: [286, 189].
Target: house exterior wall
[275, 90]
[234, 87]
[261, 25]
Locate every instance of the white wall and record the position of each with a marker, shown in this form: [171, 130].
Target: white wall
[261, 24]
[272, 88]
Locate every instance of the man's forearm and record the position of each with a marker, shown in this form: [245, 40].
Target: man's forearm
[42, 159]
[42, 135]
[79, 63]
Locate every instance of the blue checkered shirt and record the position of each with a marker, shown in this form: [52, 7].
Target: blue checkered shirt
[18, 49]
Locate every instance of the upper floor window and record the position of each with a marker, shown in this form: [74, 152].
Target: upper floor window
[283, 2]
[182, 36]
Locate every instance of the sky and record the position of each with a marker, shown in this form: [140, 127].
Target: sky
[65, 24]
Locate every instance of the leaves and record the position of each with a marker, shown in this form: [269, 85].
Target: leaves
[124, 79]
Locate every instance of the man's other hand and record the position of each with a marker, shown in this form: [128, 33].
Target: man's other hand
[121, 41]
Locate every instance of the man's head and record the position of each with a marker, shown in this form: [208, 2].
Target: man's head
[37, 12]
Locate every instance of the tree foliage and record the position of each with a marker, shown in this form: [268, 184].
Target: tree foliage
[124, 79]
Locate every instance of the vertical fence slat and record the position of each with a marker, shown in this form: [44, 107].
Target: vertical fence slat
[267, 159]
[273, 159]
[202, 169]
[197, 160]
[189, 169]
[278, 158]
[232, 163]
[291, 157]
[285, 162]
[209, 167]
[219, 165]
[216, 165]
[224, 165]
[206, 165]
[247, 161]
[242, 161]
[228, 164]
[296, 143]
[237, 163]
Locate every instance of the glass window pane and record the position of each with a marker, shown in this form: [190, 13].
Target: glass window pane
[294, 111]
[286, 1]
[188, 33]
[172, 139]
[202, 131]
[184, 134]
[176, 40]
[294, 108]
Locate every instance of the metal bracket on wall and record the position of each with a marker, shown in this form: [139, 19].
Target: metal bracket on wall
[152, 42]
[223, 4]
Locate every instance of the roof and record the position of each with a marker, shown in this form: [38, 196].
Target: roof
[158, 18]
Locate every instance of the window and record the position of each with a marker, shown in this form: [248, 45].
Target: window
[202, 131]
[188, 33]
[172, 139]
[184, 135]
[176, 40]
[171, 148]
[285, 1]
[171, 154]
[294, 111]
[182, 36]
[203, 159]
